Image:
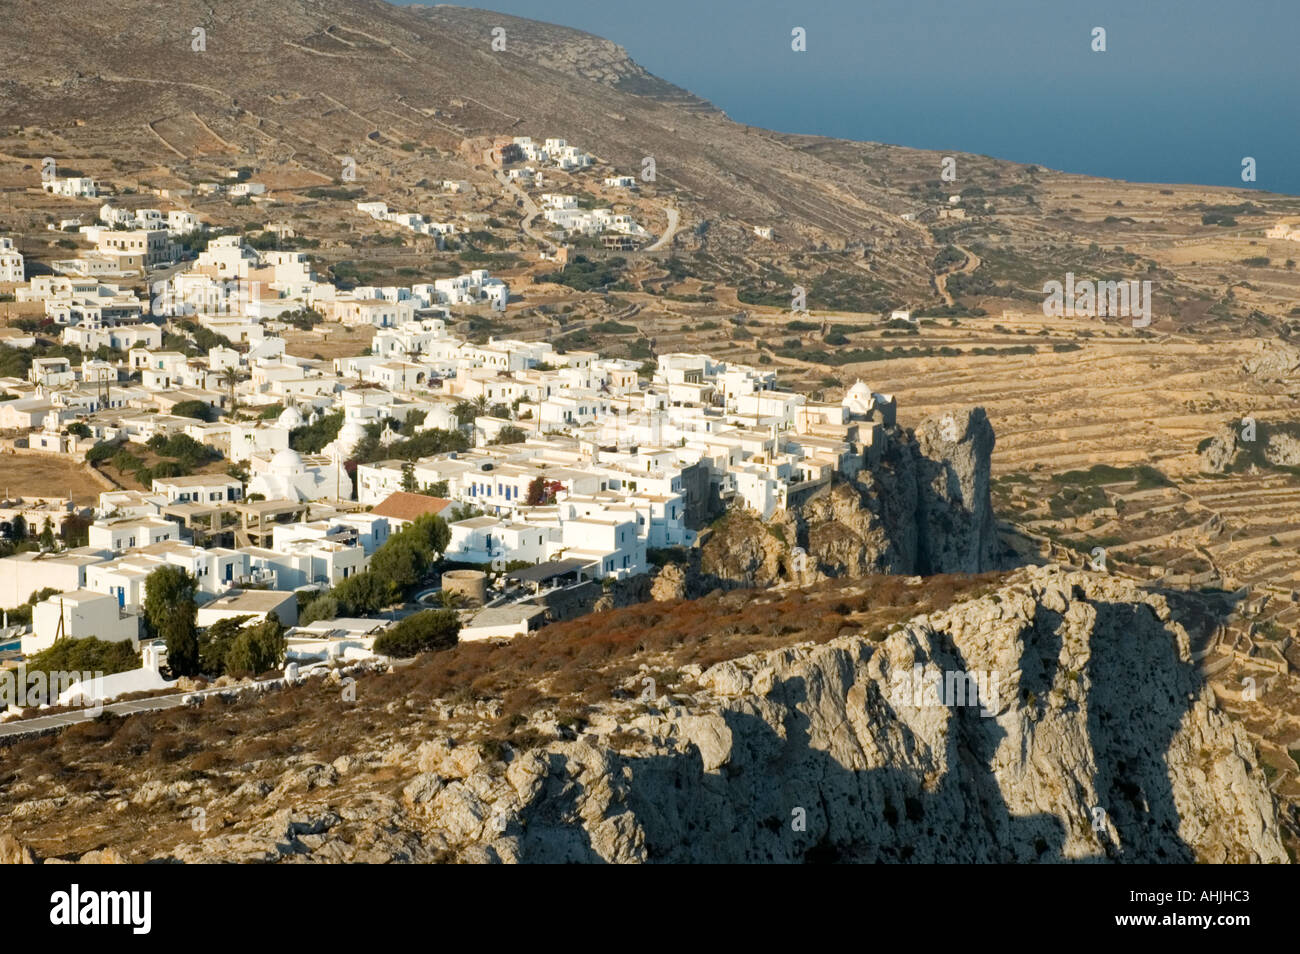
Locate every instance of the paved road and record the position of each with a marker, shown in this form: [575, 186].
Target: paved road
[130, 707]
[61, 719]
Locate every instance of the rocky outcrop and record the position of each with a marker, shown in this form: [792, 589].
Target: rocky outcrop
[1282, 450]
[1264, 444]
[923, 507]
[1090, 737]
[1059, 717]
[1219, 451]
[955, 526]
[1273, 359]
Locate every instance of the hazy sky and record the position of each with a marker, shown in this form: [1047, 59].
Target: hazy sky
[1185, 89]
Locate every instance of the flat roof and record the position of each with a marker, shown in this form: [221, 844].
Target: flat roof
[504, 615]
[548, 570]
[197, 480]
[254, 600]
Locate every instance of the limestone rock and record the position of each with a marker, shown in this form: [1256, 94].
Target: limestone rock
[923, 506]
[1074, 691]
[1219, 451]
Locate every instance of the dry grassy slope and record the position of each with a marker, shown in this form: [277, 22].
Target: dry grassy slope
[546, 748]
[310, 81]
[295, 86]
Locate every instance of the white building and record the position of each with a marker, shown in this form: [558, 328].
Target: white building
[75, 187]
[23, 574]
[11, 261]
[76, 615]
[289, 475]
[259, 604]
[127, 533]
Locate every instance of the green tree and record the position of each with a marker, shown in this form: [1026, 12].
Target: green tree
[170, 611]
[406, 557]
[85, 655]
[230, 378]
[215, 643]
[423, 632]
[199, 410]
[324, 606]
[312, 438]
[257, 648]
[509, 435]
[465, 413]
[364, 593]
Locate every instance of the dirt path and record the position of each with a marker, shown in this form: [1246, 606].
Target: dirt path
[941, 281]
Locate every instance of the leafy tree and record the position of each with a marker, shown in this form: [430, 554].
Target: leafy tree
[312, 438]
[43, 594]
[364, 593]
[401, 561]
[257, 648]
[170, 612]
[199, 410]
[47, 534]
[465, 413]
[422, 632]
[509, 435]
[406, 557]
[85, 655]
[230, 378]
[464, 511]
[216, 642]
[324, 606]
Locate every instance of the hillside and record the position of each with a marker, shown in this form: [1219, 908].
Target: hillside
[1108, 436]
[289, 91]
[702, 732]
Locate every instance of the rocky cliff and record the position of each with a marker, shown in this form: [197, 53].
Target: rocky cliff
[923, 507]
[1083, 732]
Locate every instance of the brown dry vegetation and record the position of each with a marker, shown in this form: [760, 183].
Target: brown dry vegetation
[566, 668]
[33, 475]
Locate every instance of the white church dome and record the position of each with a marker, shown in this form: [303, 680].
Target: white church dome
[291, 417]
[349, 436]
[287, 463]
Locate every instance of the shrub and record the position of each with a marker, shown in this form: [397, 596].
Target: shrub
[423, 632]
[85, 655]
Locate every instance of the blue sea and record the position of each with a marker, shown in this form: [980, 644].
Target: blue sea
[1182, 92]
[1137, 135]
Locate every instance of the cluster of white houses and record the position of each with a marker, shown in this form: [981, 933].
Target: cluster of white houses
[564, 212]
[554, 152]
[576, 460]
[414, 221]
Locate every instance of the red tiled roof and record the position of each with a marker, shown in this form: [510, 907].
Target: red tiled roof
[403, 506]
